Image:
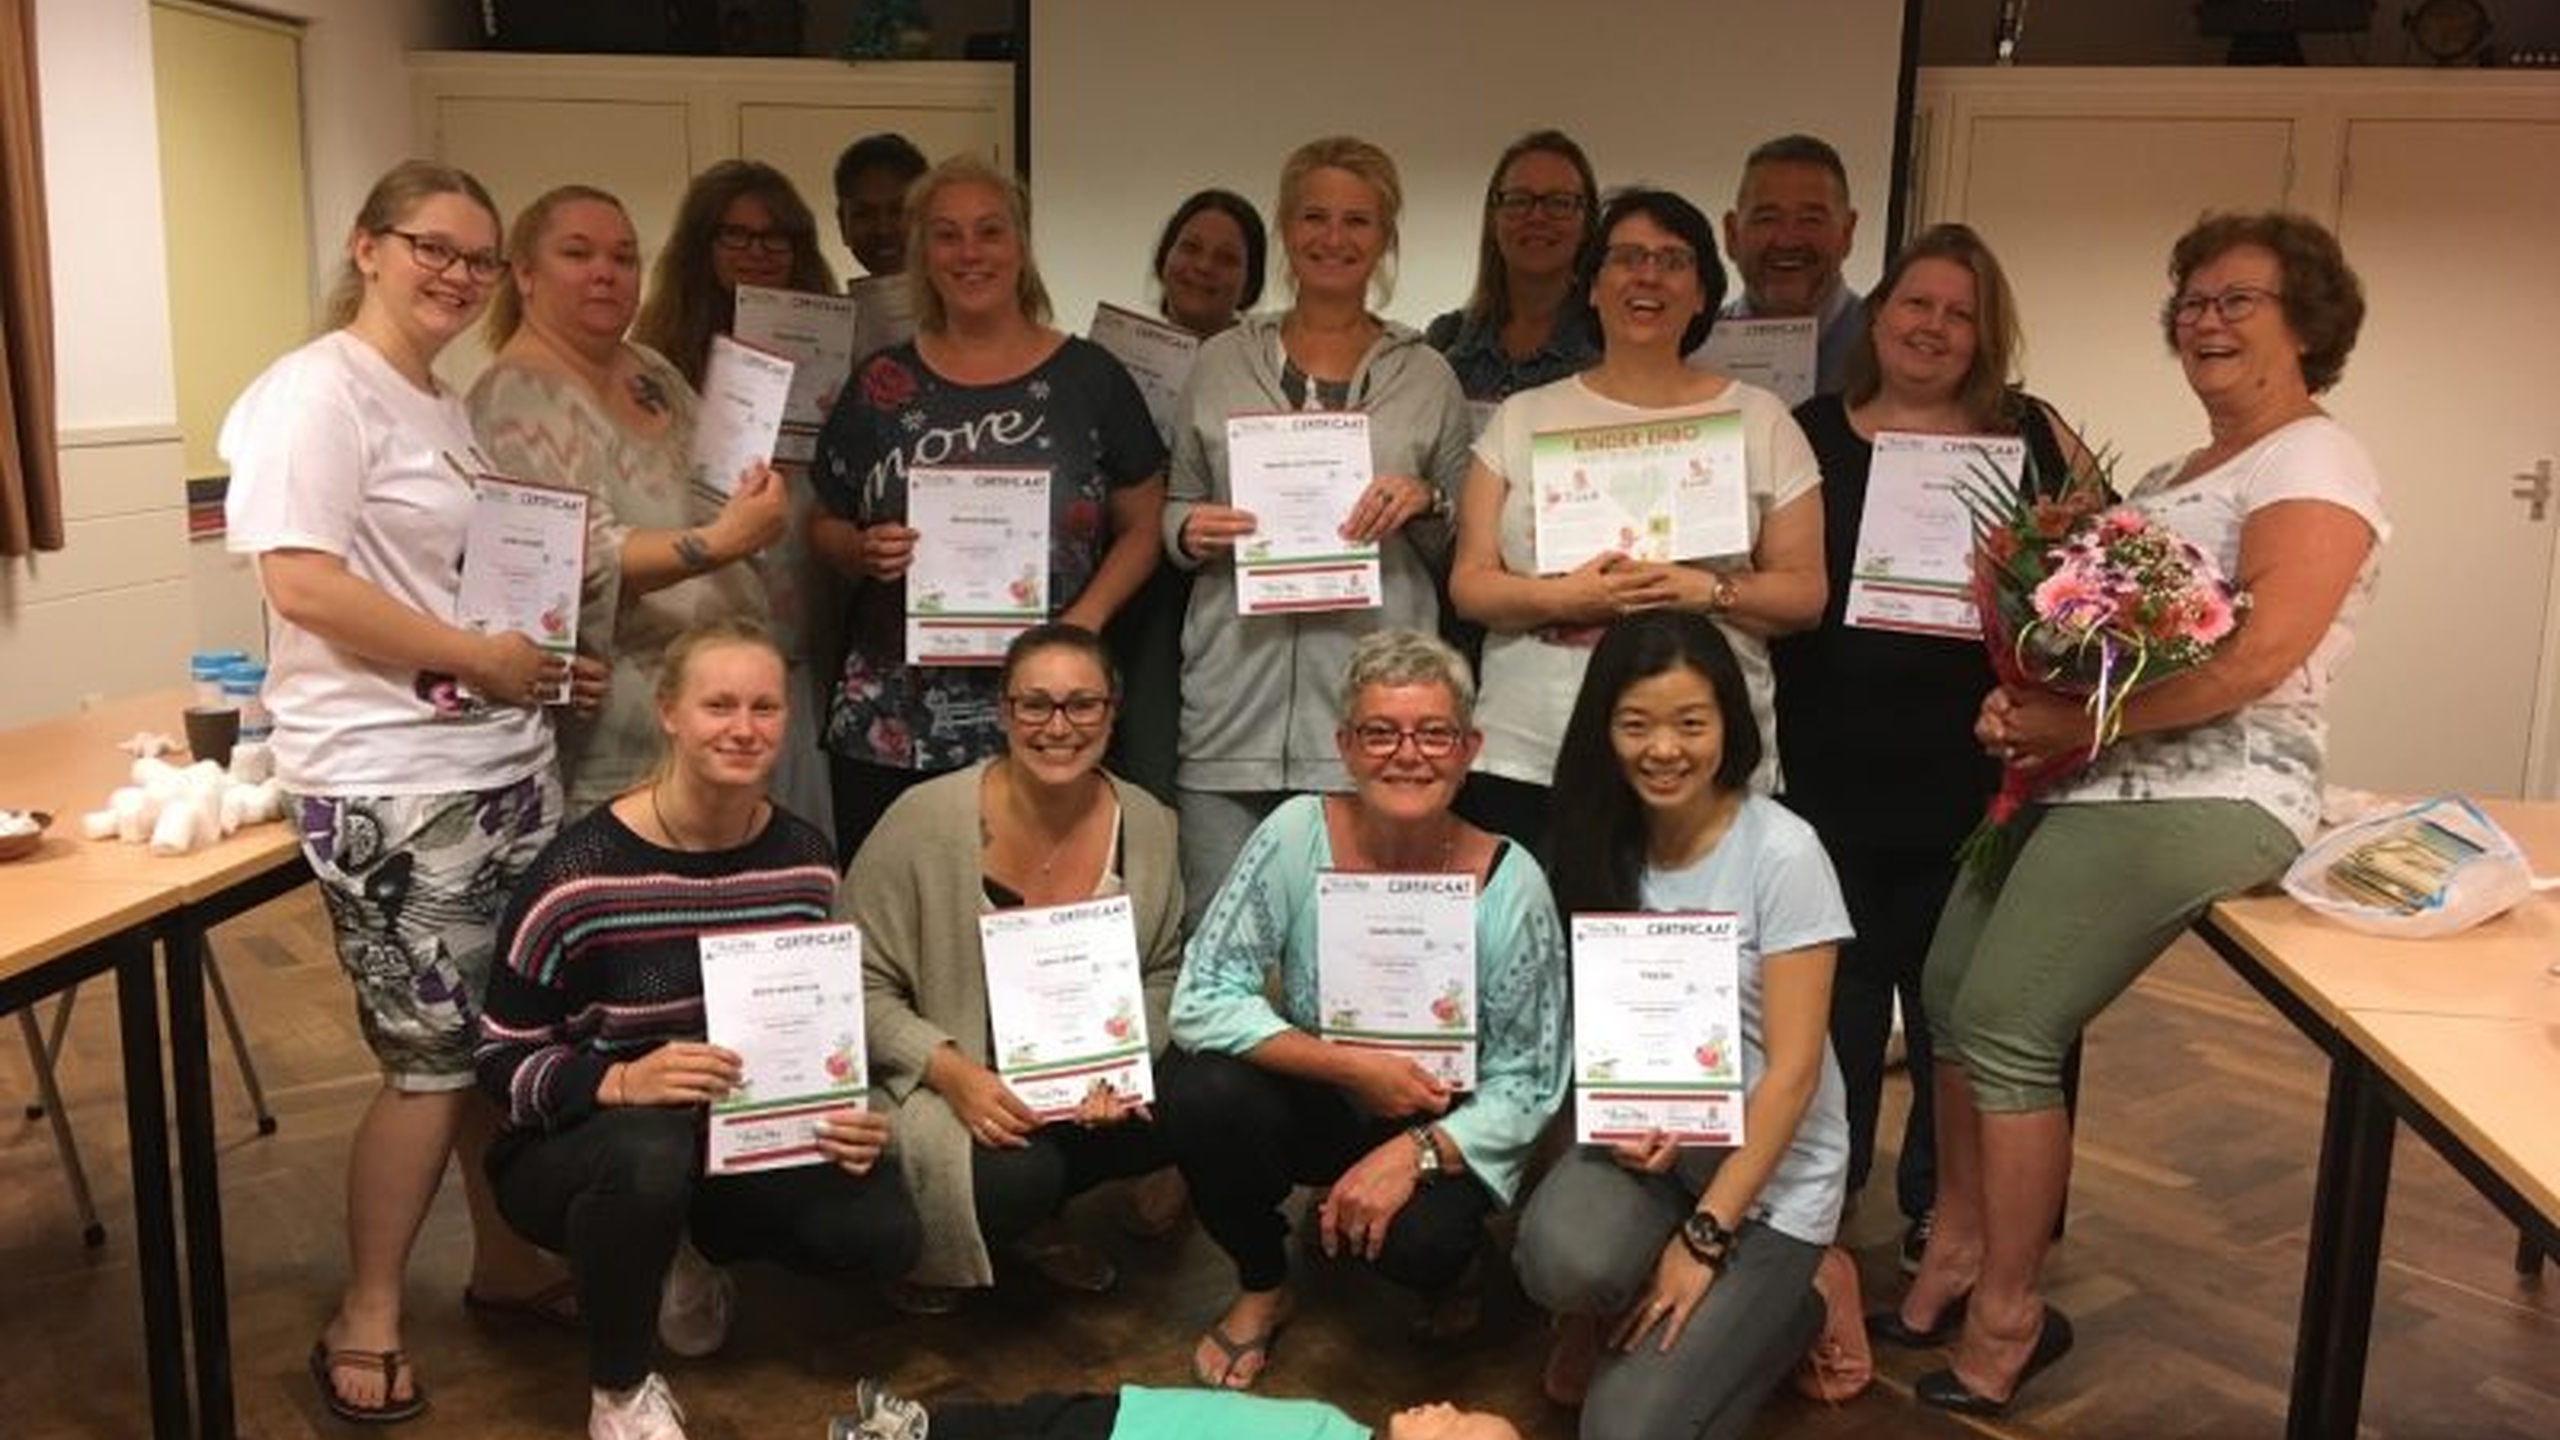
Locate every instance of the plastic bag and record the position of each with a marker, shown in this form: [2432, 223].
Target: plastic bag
[2413, 872]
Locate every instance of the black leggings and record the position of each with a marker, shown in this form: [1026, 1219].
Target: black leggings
[1015, 1190]
[1036, 1417]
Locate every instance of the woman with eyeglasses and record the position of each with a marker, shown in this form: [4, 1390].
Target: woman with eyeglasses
[1652, 289]
[2212, 788]
[1523, 325]
[569, 402]
[417, 754]
[1257, 1102]
[1040, 823]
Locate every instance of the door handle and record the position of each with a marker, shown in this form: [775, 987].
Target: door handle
[2534, 488]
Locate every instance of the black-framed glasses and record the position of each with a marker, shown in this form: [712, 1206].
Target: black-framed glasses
[1432, 739]
[2234, 304]
[1033, 709]
[740, 237]
[436, 255]
[1554, 204]
[1666, 260]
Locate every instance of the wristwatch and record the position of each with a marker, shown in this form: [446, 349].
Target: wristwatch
[1426, 1154]
[1707, 1239]
[1721, 597]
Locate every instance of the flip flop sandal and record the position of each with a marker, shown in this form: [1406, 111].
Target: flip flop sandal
[1236, 1353]
[325, 1363]
[555, 1305]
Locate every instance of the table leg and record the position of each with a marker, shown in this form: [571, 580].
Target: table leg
[2346, 1251]
[155, 1236]
[207, 1288]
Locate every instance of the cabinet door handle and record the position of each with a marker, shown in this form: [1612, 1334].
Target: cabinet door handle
[2534, 488]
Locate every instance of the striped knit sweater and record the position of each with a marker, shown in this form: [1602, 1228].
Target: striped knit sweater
[597, 960]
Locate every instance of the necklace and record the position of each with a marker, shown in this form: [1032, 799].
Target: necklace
[658, 813]
[1026, 819]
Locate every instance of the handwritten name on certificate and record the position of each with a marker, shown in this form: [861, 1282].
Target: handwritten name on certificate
[1301, 475]
[1657, 490]
[981, 571]
[1914, 567]
[522, 561]
[745, 394]
[1657, 1028]
[814, 333]
[1774, 354]
[1396, 967]
[1066, 1003]
[789, 1004]
[1157, 355]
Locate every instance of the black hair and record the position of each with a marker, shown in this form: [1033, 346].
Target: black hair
[887, 150]
[1674, 213]
[1257, 239]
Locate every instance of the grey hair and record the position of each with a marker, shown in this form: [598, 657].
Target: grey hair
[1408, 657]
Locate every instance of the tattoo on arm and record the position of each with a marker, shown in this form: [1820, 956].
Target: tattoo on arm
[647, 393]
[693, 550]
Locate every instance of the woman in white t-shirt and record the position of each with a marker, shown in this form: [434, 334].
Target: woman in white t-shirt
[416, 753]
[1654, 290]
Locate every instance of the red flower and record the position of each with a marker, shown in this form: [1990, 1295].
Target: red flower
[1084, 519]
[886, 384]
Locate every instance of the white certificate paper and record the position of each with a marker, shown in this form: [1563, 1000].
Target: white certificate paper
[789, 1003]
[981, 571]
[814, 333]
[1396, 967]
[745, 394]
[1656, 490]
[1774, 354]
[1914, 567]
[1157, 355]
[522, 562]
[1657, 1028]
[1301, 474]
[884, 313]
[1066, 1003]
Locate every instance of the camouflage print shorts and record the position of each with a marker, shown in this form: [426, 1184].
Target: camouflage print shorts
[414, 884]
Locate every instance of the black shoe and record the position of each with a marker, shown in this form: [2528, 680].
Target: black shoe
[1885, 1323]
[1942, 1389]
[1915, 1239]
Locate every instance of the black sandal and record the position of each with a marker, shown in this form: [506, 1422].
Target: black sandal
[325, 1363]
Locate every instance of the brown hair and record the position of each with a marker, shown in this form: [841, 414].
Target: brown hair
[1490, 301]
[687, 304]
[2323, 300]
[393, 199]
[1058, 635]
[1362, 160]
[1029, 291]
[506, 308]
[1983, 393]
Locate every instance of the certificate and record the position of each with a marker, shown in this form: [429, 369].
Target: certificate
[1914, 566]
[1774, 354]
[1657, 1028]
[1066, 1003]
[1396, 967]
[745, 394]
[789, 1004]
[1301, 474]
[884, 313]
[813, 332]
[1656, 490]
[1157, 355]
[981, 571]
[522, 561]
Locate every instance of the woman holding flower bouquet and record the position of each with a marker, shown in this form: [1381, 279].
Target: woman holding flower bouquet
[2202, 783]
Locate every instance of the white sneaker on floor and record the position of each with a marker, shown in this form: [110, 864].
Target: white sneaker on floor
[647, 1412]
[695, 1304]
[880, 1414]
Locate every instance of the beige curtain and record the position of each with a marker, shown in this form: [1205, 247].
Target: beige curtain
[30, 484]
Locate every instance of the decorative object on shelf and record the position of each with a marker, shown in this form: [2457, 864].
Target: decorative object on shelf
[2449, 32]
[888, 30]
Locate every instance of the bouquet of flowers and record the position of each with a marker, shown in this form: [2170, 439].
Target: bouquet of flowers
[2083, 596]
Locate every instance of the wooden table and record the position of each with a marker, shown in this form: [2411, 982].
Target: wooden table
[77, 908]
[2458, 1038]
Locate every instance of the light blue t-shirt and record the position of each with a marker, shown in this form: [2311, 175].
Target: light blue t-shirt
[1771, 873]
[1147, 1414]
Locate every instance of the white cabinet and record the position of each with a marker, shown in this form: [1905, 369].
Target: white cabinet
[2445, 191]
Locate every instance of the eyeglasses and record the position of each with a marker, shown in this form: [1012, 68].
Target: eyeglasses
[1669, 260]
[1554, 204]
[1381, 739]
[436, 255]
[1034, 709]
[740, 237]
[2234, 305]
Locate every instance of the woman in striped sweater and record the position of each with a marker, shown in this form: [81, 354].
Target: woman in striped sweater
[592, 1042]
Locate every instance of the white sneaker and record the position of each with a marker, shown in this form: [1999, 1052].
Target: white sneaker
[695, 1304]
[879, 1414]
[648, 1412]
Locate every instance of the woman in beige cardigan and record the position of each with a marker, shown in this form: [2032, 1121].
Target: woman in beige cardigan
[1041, 824]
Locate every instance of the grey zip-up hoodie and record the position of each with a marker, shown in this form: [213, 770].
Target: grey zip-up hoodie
[1261, 694]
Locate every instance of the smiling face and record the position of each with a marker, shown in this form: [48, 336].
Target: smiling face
[2238, 365]
[1646, 302]
[1334, 234]
[1789, 230]
[1926, 332]
[1407, 785]
[1668, 734]
[747, 219]
[583, 277]
[1533, 243]
[1066, 744]
[724, 724]
[1203, 275]
[872, 218]
[972, 251]
[429, 307]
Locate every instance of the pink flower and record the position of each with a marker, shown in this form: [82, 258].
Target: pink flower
[886, 384]
[2075, 598]
[2209, 615]
[891, 743]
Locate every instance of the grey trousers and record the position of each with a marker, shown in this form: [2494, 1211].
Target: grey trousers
[1214, 826]
[1588, 1246]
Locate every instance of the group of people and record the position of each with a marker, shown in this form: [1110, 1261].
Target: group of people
[516, 881]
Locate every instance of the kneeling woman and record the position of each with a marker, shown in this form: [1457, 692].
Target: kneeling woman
[593, 1041]
[1694, 1266]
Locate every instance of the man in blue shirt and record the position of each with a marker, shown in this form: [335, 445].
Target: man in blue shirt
[1790, 227]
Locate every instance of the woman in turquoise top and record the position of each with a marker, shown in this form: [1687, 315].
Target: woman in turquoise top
[1136, 1412]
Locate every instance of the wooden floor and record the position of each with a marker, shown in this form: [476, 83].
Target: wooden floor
[2183, 1267]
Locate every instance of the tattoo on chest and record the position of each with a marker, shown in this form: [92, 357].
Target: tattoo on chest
[648, 394]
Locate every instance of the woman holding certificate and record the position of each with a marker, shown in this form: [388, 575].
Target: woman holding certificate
[595, 1043]
[1311, 473]
[957, 885]
[1418, 1142]
[1682, 1275]
[569, 402]
[1639, 484]
[988, 475]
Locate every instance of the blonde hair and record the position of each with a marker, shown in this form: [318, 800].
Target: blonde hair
[533, 222]
[392, 200]
[675, 667]
[1030, 292]
[1364, 162]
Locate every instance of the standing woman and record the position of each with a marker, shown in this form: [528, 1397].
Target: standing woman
[1876, 726]
[569, 402]
[1525, 323]
[1209, 261]
[1694, 1267]
[418, 807]
[1261, 693]
[987, 381]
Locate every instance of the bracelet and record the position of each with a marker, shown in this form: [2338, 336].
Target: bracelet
[1722, 594]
